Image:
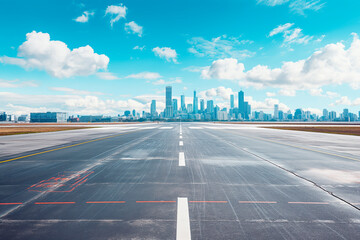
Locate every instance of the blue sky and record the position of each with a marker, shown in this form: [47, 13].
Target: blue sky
[91, 57]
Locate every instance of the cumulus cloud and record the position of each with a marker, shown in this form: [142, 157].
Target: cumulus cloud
[39, 52]
[220, 92]
[332, 65]
[133, 27]
[84, 17]
[220, 47]
[270, 94]
[346, 101]
[145, 75]
[166, 52]
[116, 12]
[297, 6]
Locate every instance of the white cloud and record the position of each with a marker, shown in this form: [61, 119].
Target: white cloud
[220, 47]
[16, 84]
[84, 17]
[133, 27]
[145, 75]
[139, 48]
[74, 91]
[292, 35]
[163, 82]
[227, 68]
[332, 65]
[167, 53]
[116, 12]
[39, 52]
[270, 94]
[287, 92]
[220, 92]
[346, 101]
[297, 6]
[280, 29]
[106, 76]
[332, 94]
[272, 2]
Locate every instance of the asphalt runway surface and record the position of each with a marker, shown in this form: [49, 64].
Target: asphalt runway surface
[179, 181]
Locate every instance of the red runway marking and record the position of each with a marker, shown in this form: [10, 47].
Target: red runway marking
[308, 202]
[54, 202]
[257, 202]
[11, 203]
[208, 201]
[156, 201]
[106, 202]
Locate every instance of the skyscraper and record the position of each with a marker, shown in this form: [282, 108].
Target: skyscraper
[202, 105]
[195, 103]
[276, 111]
[232, 105]
[174, 106]
[183, 105]
[210, 106]
[168, 101]
[153, 108]
[241, 104]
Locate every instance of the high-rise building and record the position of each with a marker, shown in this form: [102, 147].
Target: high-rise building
[202, 105]
[153, 108]
[174, 106]
[183, 105]
[332, 115]
[168, 101]
[232, 105]
[189, 108]
[325, 114]
[195, 103]
[276, 111]
[241, 105]
[210, 106]
[346, 114]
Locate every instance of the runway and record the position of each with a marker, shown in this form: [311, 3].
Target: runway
[180, 181]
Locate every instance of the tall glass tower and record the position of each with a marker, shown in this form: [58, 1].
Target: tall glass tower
[195, 103]
[168, 101]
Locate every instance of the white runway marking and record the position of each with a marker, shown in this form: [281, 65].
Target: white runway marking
[196, 127]
[181, 143]
[181, 159]
[183, 220]
[166, 128]
[180, 137]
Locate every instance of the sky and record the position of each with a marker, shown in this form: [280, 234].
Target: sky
[105, 57]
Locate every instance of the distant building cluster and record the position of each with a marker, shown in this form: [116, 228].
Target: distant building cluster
[197, 110]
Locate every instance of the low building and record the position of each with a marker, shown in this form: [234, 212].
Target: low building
[54, 117]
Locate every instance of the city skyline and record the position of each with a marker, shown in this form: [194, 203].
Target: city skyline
[279, 52]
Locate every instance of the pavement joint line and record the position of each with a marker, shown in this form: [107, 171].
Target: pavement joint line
[308, 202]
[181, 159]
[60, 148]
[14, 203]
[181, 143]
[43, 203]
[183, 231]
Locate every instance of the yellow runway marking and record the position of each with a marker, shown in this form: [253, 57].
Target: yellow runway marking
[56, 149]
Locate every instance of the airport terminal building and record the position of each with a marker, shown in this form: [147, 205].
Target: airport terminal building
[54, 117]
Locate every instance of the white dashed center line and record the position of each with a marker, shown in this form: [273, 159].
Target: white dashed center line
[181, 159]
[180, 137]
[181, 143]
[183, 220]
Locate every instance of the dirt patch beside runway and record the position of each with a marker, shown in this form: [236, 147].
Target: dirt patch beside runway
[24, 130]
